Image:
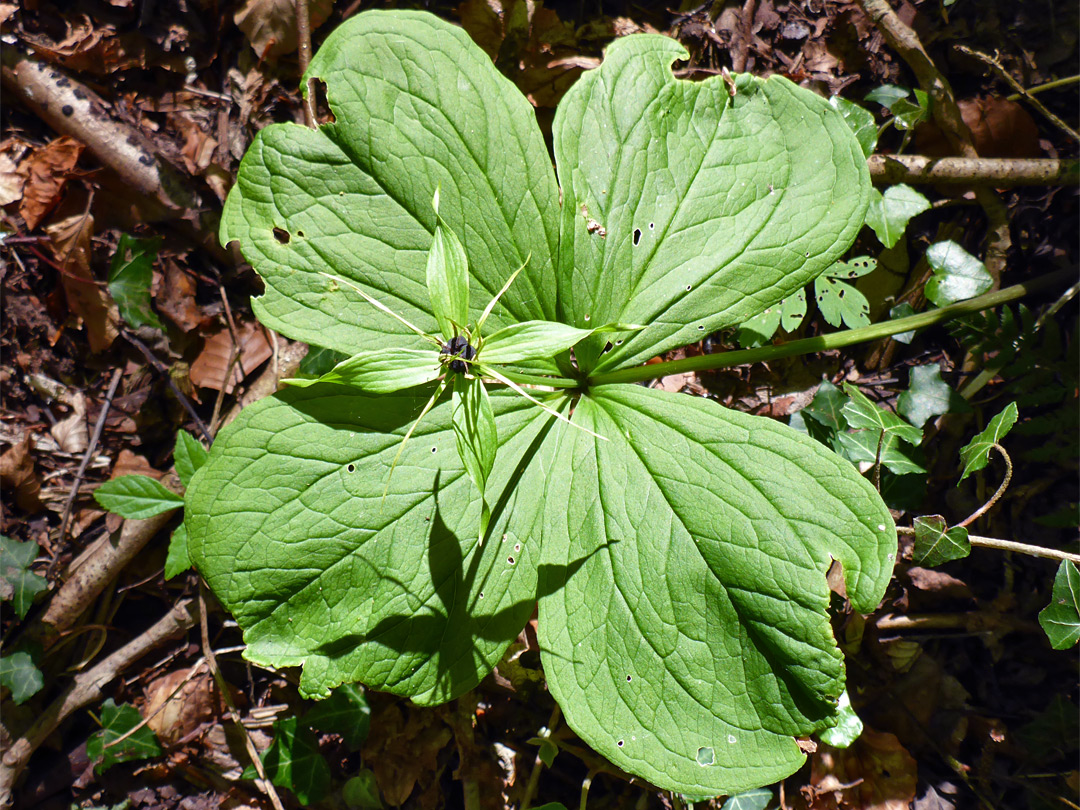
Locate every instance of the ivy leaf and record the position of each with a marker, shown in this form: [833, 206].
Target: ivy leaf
[757, 799]
[705, 592]
[353, 586]
[860, 120]
[976, 453]
[668, 187]
[936, 543]
[909, 114]
[928, 396]
[345, 712]
[1060, 619]
[448, 278]
[382, 371]
[188, 455]
[957, 274]
[178, 560]
[827, 407]
[362, 791]
[104, 747]
[889, 213]
[863, 414]
[137, 497]
[293, 761]
[130, 277]
[418, 106]
[18, 584]
[887, 94]
[476, 437]
[19, 673]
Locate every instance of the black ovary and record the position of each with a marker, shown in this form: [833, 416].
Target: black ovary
[458, 347]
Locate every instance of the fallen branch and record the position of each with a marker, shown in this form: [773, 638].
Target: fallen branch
[996, 172]
[85, 689]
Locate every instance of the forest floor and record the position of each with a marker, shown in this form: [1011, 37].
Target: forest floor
[964, 702]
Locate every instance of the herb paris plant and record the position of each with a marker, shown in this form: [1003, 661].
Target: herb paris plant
[677, 549]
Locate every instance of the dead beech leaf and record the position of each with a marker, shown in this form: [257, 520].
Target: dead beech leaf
[212, 364]
[193, 704]
[71, 432]
[270, 25]
[176, 299]
[406, 752]
[17, 473]
[12, 179]
[875, 773]
[198, 148]
[70, 243]
[46, 172]
[129, 463]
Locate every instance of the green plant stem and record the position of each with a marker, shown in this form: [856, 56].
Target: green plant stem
[537, 380]
[982, 510]
[1039, 88]
[836, 340]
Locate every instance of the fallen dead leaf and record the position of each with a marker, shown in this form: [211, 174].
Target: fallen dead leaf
[69, 236]
[12, 151]
[211, 366]
[176, 298]
[17, 473]
[270, 25]
[129, 463]
[71, 432]
[46, 172]
[183, 708]
[875, 773]
[405, 752]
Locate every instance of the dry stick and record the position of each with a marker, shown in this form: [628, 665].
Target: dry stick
[996, 172]
[98, 428]
[232, 328]
[905, 42]
[303, 35]
[223, 688]
[999, 69]
[159, 367]
[84, 690]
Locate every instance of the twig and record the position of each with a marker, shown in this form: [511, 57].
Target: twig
[1022, 548]
[159, 367]
[303, 35]
[223, 688]
[996, 172]
[74, 491]
[1000, 70]
[903, 39]
[86, 689]
[1042, 88]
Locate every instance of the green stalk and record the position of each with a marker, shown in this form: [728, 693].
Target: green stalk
[836, 340]
[537, 380]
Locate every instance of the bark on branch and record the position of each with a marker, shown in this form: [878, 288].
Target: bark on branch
[996, 172]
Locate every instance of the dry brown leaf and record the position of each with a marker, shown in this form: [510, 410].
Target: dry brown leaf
[875, 773]
[406, 751]
[212, 364]
[12, 179]
[129, 463]
[71, 433]
[198, 148]
[17, 473]
[176, 298]
[270, 25]
[193, 704]
[46, 173]
[70, 243]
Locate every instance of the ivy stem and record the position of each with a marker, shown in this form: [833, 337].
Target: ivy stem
[982, 510]
[538, 765]
[836, 340]
[1008, 545]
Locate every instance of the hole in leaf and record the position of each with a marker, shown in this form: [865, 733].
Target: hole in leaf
[481, 594]
[351, 468]
[689, 287]
[731, 739]
[618, 342]
[629, 678]
[652, 225]
[620, 743]
[705, 756]
[434, 449]
[510, 560]
[587, 317]
[637, 236]
[701, 328]
[281, 235]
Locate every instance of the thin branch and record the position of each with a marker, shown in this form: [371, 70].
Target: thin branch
[1000, 70]
[159, 367]
[223, 688]
[986, 507]
[996, 172]
[303, 35]
[1022, 548]
[74, 491]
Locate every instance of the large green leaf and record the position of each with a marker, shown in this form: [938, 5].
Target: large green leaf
[288, 524]
[418, 106]
[688, 209]
[694, 642]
